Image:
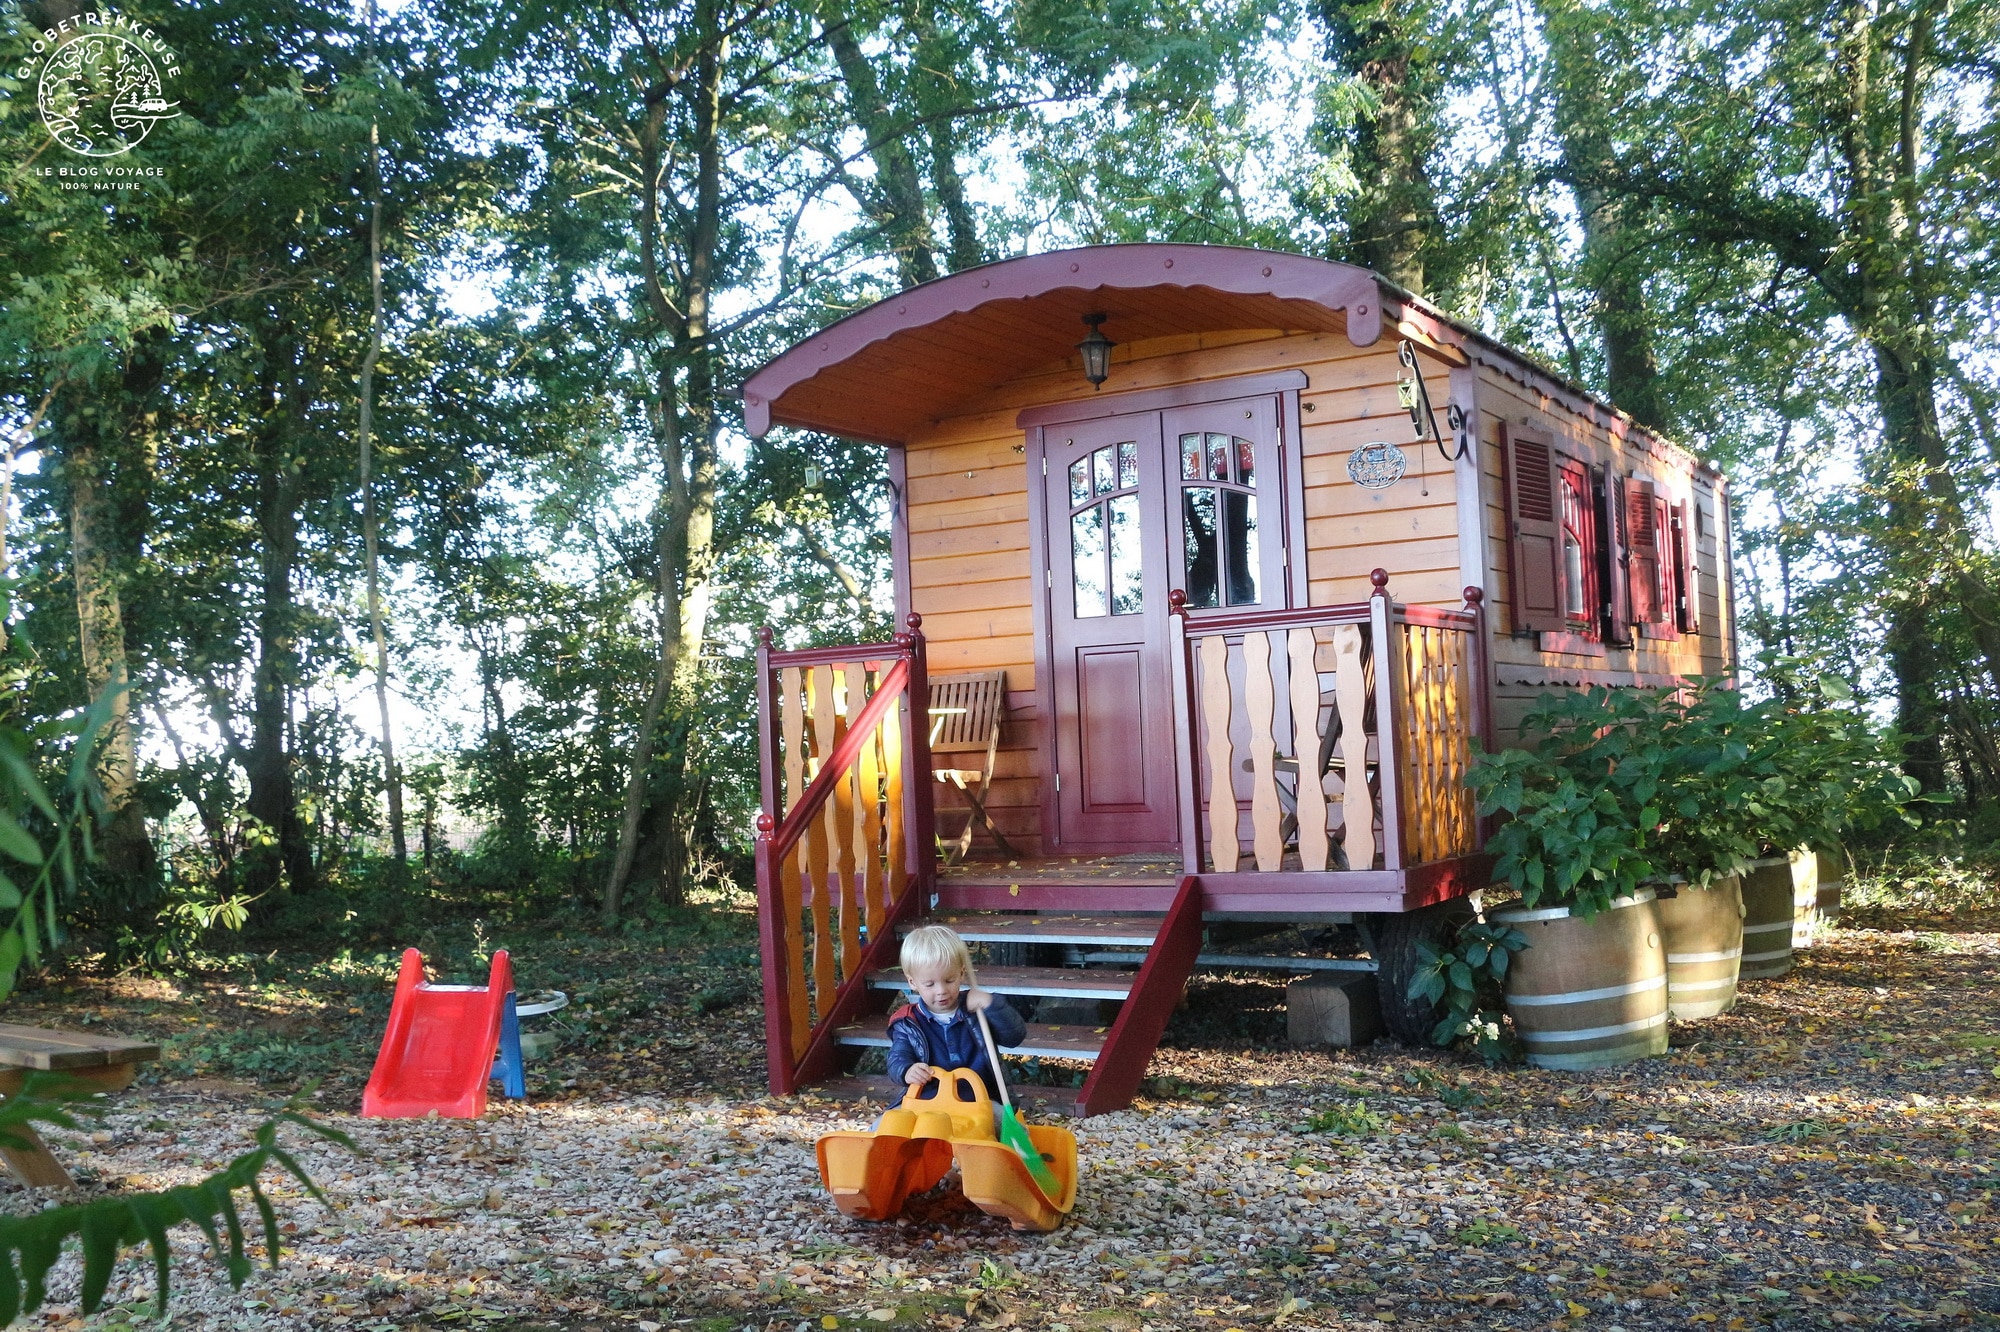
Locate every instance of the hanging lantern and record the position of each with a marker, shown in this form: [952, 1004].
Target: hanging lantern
[1096, 351]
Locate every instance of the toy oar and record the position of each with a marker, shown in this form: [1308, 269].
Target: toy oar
[1012, 1131]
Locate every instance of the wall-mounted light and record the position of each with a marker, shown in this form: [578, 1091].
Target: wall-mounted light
[1096, 351]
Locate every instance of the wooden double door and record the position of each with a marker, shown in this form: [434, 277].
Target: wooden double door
[1135, 507]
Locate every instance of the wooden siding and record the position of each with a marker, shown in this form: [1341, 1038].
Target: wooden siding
[970, 574]
[1516, 394]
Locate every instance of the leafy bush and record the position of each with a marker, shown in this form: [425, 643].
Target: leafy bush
[1353, 1120]
[1465, 983]
[1623, 786]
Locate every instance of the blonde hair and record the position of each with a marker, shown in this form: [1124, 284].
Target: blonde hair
[937, 947]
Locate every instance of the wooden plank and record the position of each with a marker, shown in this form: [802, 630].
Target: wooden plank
[864, 816]
[944, 569]
[1047, 982]
[1357, 837]
[971, 539]
[993, 451]
[1137, 931]
[981, 487]
[1267, 837]
[937, 516]
[33, 1163]
[47, 1049]
[896, 849]
[998, 621]
[998, 594]
[1044, 1042]
[820, 682]
[1223, 849]
[1302, 648]
[1013, 653]
[791, 871]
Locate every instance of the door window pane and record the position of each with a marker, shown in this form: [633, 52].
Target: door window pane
[1218, 457]
[1190, 457]
[1128, 465]
[1086, 553]
[1106, 470]
[1246, 462]
[1126, 570]
[1239, 540]
[1199, 552]
[1079, 481]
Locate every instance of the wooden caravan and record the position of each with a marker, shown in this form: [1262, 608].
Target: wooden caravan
[1257, 596]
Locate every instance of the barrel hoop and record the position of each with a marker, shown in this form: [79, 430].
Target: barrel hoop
[1585, 996]
[1766, 929]
[1768, 861]
[1679, 987]
[1594, 1033]
[1722, 956]
[1518, 916]
[1767, 957]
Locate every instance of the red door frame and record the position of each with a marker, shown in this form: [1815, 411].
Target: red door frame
[1286, 386]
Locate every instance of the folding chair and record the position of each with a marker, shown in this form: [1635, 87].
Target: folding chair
[965, 718]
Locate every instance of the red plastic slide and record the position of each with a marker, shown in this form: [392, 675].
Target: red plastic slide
[437, 1054]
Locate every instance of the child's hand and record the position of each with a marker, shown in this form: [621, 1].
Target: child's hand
[918, 1074]
[977, 1000]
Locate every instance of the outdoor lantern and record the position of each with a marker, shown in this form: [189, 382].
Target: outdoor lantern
[1096, 351]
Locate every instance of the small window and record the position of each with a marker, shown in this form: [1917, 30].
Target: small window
[1580, 595]
[1104, 544]
[1221, 552]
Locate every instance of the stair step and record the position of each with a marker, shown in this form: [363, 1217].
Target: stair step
[1049, 982]
[999, 927]
[1062, 1042]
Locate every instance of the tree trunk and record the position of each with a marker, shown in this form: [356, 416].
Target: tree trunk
[128, 849]
[392, 778]
[897, 200]
[273, 801]
[1389, 221]
[685, 511]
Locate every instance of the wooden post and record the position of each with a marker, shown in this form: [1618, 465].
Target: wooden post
[918, 795]
[767, 731]
[780, 1072]
[1480, 688]
[1388, 714]
[1180, 659]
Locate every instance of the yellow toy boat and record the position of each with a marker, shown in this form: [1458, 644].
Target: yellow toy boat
[871, 1174]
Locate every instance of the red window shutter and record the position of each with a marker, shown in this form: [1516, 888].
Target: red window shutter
[1611, 558]
[1536, 519]
[1687, 586]
[1642, 562]
[1666, 568]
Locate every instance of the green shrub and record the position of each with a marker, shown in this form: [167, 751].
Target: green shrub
[1624, 786]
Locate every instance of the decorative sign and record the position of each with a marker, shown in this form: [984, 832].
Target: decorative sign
[1376, 465]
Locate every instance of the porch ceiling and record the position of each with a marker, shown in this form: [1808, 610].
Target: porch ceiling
[883, 372]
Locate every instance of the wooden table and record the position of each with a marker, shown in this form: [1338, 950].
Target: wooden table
[97, 1063]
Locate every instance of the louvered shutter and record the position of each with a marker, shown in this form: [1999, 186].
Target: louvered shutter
[1689, 589]
[1610, 555]
[1536, 520]
[1642, 559]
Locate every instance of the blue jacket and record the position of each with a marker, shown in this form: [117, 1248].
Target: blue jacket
[916, 1038]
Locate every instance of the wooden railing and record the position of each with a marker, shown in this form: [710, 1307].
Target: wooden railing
[845, 850]
[1284, 704]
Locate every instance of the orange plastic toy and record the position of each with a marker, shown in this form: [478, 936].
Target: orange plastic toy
[437, 1054]
[871, 1174]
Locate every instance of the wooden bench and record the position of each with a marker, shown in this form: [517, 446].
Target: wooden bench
[97, 1063]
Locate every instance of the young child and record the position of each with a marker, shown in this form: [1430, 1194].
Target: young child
[941, 1030]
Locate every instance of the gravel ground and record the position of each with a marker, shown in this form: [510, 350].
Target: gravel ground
[1823, 1156]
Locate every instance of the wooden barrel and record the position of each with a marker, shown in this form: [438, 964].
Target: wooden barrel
[1703, 930]
[1586, 993]
[1832, 878]
[1767, 918]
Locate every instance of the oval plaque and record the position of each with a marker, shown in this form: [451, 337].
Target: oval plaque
[1376, 465]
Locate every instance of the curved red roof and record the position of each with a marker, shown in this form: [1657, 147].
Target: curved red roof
[885, 371]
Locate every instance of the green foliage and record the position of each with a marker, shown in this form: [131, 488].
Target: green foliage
[1484, 1232]
[30, 1245]
[1353, 1120]
[1464, 982]
[1623, 786]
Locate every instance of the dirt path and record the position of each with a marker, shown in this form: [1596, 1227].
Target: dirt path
[1826, 1155]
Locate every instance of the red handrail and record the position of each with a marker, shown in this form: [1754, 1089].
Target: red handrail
[835, 767]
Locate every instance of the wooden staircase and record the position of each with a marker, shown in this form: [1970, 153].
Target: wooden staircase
[1117, 1051]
